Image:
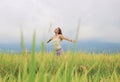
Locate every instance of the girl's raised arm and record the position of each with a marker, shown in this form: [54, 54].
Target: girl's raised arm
[50, 39]
[65, 38]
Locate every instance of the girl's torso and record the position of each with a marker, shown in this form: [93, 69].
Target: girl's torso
[56, 42]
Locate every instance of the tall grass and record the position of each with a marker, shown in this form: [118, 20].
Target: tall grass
[77, 35]
[32, 61]
[22, 41]
[42, 48]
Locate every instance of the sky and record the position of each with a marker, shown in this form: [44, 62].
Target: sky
[99, 19]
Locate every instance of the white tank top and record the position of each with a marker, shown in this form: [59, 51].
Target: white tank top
[57, 43]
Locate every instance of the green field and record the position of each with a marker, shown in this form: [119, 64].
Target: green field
[69, 67]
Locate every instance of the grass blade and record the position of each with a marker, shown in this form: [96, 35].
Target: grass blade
[32, 62]
[22, 41]
[77, 35]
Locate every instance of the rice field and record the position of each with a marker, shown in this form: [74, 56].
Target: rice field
[69, 67]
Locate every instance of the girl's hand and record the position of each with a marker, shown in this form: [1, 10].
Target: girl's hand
[73, 41]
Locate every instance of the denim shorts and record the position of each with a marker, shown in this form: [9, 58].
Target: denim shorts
[59, 51]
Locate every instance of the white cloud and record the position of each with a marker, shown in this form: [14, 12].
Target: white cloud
[99, 19]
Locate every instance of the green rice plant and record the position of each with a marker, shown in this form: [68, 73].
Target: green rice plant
[77, 31]
[22, 41]
[32, 61]
[25, 70]
[49, 28]
[77, 35]
[19, 76]
[42, 48]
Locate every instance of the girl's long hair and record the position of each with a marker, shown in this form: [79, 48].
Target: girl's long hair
[60, 31]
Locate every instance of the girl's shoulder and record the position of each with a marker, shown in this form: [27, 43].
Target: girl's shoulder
[60, 36]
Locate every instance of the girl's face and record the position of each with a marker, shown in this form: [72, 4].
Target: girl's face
[56, 30]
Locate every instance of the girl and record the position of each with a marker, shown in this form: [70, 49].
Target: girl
[57, 38]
